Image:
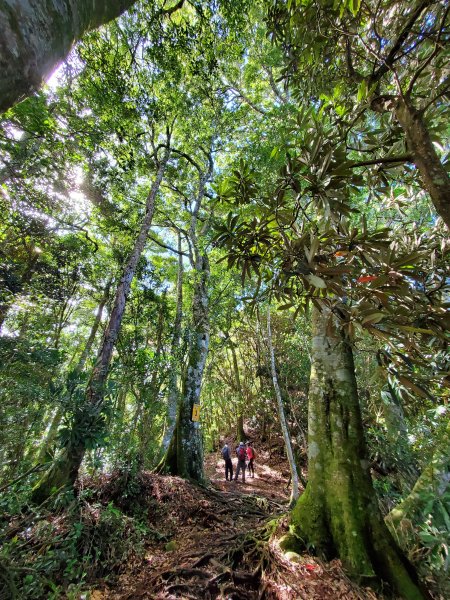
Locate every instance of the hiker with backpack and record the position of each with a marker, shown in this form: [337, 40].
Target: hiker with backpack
[251, 457]
[241, 456]
[228, 462]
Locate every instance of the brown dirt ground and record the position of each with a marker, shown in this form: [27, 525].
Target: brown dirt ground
[215, 543]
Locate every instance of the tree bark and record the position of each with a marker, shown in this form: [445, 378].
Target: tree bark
[189, 438]
[282, 417]
[338, 514]
[88, 418]
[434, 175]
[36, 35]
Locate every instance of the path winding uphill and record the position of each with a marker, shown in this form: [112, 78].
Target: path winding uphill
[214, 543]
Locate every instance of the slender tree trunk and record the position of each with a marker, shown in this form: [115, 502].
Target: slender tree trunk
[338, 514]
[282, 417]
[432, 485]
[434, 175]
[173, 393]
[86, 421]
[240, 416]
[44, 453]
[36, 35]
[151, 392]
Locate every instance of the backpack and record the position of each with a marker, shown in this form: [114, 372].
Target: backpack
[250, 453]
[225, 453]
[241, 453]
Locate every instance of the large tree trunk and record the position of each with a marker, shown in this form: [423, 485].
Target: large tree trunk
[430, 489]
[282, 417]
[184, 456]
[36, 35]
[338, 514]
[434, 175]
[88, 418]
[189, 436]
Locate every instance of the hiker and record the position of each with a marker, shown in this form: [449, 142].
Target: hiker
[228, 462]
[241, 456]
[251, 457]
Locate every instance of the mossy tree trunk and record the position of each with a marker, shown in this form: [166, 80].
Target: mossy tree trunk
[36, 35]
[88, 420]
[338, 515]
[189, 435]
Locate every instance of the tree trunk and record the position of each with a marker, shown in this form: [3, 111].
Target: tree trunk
[36, 35]
[184, 456]
[240, 410]
[431, 486]
[88, 418]
[151, 391]
[282, 417]
[45, 450]
[434, 175]
[173, 394]
[338, 514]
[189, 438]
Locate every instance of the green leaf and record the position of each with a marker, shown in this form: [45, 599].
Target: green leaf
[317, 282]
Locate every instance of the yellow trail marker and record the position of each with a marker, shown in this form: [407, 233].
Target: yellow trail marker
[196, 412]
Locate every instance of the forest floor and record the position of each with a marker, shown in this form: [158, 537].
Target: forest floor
[216, 542]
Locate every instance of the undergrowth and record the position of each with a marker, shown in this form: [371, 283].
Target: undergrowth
[60, 548]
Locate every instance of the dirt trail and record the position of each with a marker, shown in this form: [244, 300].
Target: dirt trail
[213, 543]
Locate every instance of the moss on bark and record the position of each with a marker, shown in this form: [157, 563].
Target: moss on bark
[338, 515]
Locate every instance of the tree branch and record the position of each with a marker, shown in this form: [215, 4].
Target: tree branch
[391, 57]
[383, 160]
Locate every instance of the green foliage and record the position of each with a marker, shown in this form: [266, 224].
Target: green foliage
[69, 548]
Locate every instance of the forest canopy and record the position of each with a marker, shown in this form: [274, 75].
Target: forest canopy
[226, 221]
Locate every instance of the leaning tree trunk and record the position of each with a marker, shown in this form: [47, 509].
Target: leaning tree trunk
[338, 514]
[45, 450]
[434, 175]
[36, 35]
[189, 435]
[430, 488]
[282, 417]
[87, 419]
